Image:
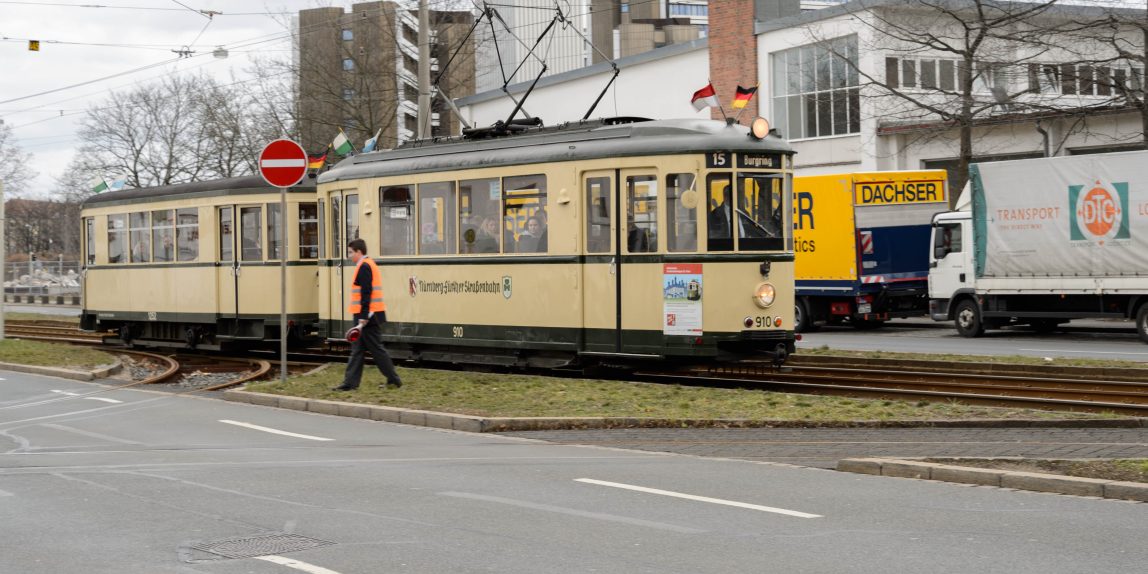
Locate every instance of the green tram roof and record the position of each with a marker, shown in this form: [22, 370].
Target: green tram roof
[245, 185]
[567, 142]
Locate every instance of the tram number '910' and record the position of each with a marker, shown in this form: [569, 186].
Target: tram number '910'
[456, 332]
[760, 321]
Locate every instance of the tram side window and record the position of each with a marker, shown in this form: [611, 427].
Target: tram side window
[641, 213]
[250, 234]
[719, 216]
[140, 236]
[525, 219]
[308, 231]
[350, 217]
[760, 212]
[681, 212]
[117, 239]
[187, 234]
[437, 218]
[598, 210]
[162, 236]
[478, 211]
[398, 220]
[89, 241]
[274, 224]
[226, 235]
[321, 215]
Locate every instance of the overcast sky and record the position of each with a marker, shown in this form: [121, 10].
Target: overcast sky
[79, 44]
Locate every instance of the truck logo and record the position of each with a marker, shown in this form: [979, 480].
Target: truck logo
[1099, 213]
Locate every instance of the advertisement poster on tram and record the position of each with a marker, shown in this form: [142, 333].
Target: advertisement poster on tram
[682, 299]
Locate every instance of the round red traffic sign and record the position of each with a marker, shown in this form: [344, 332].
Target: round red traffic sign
[283, 163]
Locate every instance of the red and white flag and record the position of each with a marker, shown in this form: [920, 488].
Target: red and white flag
[705, 98]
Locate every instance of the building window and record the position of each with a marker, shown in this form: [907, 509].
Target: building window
[348, 64]
[815, 89]
[410, 35]
[348, 94]
[348, 35]
[411, 123]
[410, 64]
[923, 73]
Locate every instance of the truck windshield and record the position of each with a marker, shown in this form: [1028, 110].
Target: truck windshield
[760, 212]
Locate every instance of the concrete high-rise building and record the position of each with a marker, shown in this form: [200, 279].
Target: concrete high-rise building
[622, 28]
[358, 71]
[563, 49]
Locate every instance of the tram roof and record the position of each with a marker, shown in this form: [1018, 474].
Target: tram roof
[244, 185]
[567, 142]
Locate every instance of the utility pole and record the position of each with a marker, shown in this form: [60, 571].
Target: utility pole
[3, 261]
[424, 71]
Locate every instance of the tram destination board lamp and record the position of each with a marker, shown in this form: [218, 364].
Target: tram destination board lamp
[283, 163]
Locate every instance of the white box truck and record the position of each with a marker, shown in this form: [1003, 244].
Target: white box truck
[1044, 241]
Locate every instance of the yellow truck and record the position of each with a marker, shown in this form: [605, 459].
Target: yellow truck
[862, 245]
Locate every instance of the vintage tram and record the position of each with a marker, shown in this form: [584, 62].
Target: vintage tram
[197, 264]
[609, 241]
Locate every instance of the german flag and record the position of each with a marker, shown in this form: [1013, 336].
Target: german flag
[316, 161]
[741, 99]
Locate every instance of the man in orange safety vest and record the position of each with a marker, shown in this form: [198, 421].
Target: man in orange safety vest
[370, 312]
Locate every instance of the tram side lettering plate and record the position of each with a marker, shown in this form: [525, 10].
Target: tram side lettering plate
[719, 160]
[759, 161]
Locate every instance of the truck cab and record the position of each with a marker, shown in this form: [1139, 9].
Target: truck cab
[951, 267]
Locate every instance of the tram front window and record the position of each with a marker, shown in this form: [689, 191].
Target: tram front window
[760, 212]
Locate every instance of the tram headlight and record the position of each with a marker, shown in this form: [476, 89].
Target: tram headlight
[759, 128]
[764, 294]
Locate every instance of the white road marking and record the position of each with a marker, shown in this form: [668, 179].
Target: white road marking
[89, 434]
[104, 399]
[296, 564]
[699, 498]
[1083, 352]
[4, 493]
[575, 512]
[283, 163]
[70, 394]
[273, 431]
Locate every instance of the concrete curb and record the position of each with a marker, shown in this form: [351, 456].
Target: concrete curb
[505, 424]
[100, 373]
[1054, 483]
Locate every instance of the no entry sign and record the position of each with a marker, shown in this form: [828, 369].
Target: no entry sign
[283, 163]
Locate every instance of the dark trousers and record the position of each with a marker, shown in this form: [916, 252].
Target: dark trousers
[371, 341]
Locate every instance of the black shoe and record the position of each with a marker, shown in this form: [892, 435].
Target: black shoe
[392, 384]
[342, 388]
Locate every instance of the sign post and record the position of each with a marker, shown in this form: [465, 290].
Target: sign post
[283, 163]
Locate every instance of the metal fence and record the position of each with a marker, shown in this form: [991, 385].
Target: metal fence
[51, 277]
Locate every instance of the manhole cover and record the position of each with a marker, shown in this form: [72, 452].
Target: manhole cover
[261, 545]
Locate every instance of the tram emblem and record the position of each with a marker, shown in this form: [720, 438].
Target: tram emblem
[507, 286]
[413, 285]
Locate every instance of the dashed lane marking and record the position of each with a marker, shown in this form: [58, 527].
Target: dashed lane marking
[296, 564]
[575, 512]
[1083, 352]
[273, 431]
[103, 399]
[699, 498]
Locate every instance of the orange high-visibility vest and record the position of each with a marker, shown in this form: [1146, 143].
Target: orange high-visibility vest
[377, 304]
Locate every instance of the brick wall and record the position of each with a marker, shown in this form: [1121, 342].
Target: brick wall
[733, 54]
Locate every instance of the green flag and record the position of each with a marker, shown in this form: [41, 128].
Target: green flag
[99, 184]
[342, 145]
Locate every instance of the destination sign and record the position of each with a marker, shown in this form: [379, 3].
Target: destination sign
[759, 161]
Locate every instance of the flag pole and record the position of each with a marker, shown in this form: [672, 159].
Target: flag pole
[720, 107]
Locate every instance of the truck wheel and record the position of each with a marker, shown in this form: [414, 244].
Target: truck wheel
[1142, 323]
[968, 319]
[802, 320]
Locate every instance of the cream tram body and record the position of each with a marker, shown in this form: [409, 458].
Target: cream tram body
[198, 264]
[635, 264]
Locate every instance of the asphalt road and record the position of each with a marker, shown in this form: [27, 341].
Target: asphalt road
[145, 483]
[1079, 340]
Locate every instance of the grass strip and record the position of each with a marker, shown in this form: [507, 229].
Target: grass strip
[42, 317]
[51, 355]
[513, 395]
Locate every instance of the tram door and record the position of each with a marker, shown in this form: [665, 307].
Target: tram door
[343, 228]
[600, 312]
[639, 269]
[225, 278]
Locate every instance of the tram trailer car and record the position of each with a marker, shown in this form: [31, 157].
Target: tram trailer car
[197, 265]
[858, 242]
[1044, 241]
[601, 242]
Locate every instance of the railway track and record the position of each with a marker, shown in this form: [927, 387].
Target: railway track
[1050, 393]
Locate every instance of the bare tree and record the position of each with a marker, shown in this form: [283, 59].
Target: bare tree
[950, 64]
[14, 170]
